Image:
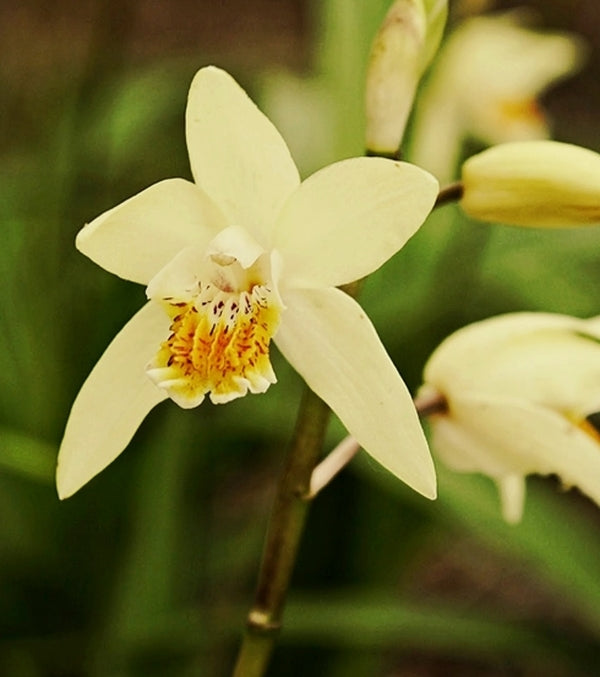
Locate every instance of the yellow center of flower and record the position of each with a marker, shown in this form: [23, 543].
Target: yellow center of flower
[591, 425]
[516, 110]
[219, 340]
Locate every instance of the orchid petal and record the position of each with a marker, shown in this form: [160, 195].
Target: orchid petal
[512, 491]
[135, 239]
[112, 402]
[346, 220]
[236, 154]
[542, 441]
[549, 359]
[328, 339]
[472, 343]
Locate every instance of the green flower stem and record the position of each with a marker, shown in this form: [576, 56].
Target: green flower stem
[286, 525]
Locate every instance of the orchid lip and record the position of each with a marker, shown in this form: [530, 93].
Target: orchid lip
[220, 332]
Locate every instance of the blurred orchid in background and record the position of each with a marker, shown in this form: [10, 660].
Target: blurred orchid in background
[244, 255]
[485, 86]
[518, 394]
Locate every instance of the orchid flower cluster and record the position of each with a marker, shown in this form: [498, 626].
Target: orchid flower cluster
[247, 256]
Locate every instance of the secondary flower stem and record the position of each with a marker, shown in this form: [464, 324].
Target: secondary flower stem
[285, 529]
[453, 192]
[430, 402]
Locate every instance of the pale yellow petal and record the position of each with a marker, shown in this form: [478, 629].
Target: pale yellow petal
[135, 239]
[113, 401]
[346, 220]
[474, 343]
[542, 357]
[512, 497]
[328, 339]
[517, 437]
[236, 153]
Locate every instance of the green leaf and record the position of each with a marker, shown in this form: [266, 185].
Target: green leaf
[27, 456]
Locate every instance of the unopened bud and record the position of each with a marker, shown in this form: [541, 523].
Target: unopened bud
[406, 42]
[533, 183]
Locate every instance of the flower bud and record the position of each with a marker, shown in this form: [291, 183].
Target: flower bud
[533, 183]
[402, 49]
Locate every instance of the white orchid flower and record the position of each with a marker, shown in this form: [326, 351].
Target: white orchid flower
[521, 393]
[244, 255]
[486, 84]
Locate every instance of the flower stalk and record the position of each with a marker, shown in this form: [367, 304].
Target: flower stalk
[286, 526]
[453, 192]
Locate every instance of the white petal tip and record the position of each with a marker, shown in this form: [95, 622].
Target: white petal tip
[66, 487]
[430, 491]
[422, 479]
[62, 495]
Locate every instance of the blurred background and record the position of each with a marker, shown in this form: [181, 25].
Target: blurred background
[149, 570]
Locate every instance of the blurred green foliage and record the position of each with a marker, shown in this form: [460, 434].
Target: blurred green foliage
[149, 570]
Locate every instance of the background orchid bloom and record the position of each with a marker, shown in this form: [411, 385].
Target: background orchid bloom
[522, 392]
[485, 86]
[246, 254]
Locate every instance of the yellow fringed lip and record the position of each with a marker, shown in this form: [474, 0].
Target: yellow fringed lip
[218, 346]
